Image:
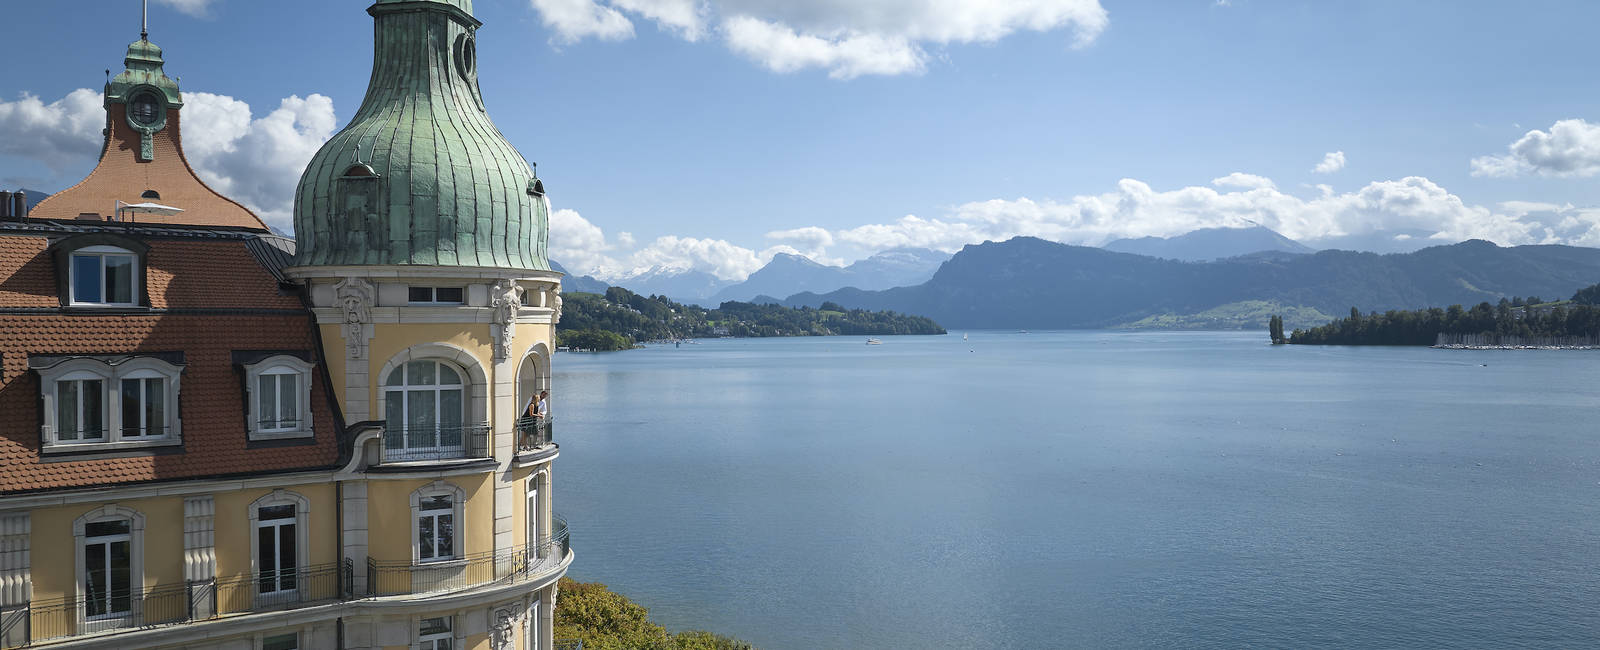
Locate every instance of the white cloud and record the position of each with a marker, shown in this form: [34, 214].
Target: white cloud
[1570, 148]
[256, 162]
[848, 38]
[575, 20]
[1331, 162]
[584, 249]
[1246, 181]
[1134, 209]
[62, 134]
[197, 8]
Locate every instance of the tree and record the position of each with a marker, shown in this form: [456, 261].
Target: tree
[1275, 329]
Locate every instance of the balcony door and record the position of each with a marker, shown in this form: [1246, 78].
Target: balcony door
[424, 409]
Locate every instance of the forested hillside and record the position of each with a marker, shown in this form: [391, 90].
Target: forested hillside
[619, 318]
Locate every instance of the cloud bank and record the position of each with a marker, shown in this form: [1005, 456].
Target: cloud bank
[1331, 162]
[847, 38]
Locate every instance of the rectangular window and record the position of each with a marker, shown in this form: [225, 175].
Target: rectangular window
[144, 408]
[78, 411]
[276, 544]
[436, 532]
[290, 641]
[278, 401]
[107, 570]
[102, 279]
[435, 634]
[434, 295]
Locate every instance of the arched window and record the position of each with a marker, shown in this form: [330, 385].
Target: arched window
[110, 566]
[109, 401]
[150, 194]
[436, 517]
[425, 408]
[279, 387]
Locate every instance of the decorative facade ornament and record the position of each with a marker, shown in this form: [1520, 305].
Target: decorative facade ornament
[556, 292]
[503, 628]
[506, 303]
[355, 298]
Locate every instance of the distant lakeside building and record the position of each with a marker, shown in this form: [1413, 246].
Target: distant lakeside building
[216, 437]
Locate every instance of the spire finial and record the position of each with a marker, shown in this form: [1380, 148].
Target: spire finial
[144, 20]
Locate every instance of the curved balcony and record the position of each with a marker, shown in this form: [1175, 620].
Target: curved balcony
[535, 433]
[510, 566]
[436, 443]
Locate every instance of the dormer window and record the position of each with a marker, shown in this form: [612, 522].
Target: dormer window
[279, 390]
[104, 275]
[107, 402]
[100, 270]
[434, 295]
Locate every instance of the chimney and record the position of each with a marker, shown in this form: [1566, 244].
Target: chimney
[5, 204]
[19, 204]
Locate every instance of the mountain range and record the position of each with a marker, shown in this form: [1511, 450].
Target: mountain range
[1210, 244]
[789, 274]
[1027, 282]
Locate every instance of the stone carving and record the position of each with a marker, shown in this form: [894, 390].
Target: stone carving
[355, 298]
[557, 293]
[506, 303]
[503, 628]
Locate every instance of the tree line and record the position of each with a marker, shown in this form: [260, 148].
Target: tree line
[620, 318]
[1511, 318]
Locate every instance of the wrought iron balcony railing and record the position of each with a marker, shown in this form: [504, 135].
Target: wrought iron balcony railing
[513, 565]
[534, 433]
[101, 611]
[438, 442]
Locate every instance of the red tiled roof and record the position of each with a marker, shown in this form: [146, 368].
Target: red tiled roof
[121, 176]
[185, 276]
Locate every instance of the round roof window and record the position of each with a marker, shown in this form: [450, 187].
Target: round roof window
[466, 56]
[145, 109]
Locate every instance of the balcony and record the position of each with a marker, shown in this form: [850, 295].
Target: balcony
[193, 601]
[509, 566]
[534, 433]
[435, 443]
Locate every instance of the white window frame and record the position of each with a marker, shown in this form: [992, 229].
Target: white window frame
[102, 252]
[302, 510]
[281, 364]
[433, 296]
[110, 377]
[402, 393]
[430, 641]
[136, 525]
[458, 498]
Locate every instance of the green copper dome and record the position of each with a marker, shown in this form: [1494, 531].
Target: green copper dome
[421, 175]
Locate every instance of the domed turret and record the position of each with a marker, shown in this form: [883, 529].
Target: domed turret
[421, 176]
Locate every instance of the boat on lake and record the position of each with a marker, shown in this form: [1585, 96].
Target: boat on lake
[874, 341]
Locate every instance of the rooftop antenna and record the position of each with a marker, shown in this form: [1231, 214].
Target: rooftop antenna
[144, 20]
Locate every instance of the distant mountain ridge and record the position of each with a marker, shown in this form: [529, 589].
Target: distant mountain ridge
[1027, 282]
[583, 283]
[788, 274]
[1208, 244]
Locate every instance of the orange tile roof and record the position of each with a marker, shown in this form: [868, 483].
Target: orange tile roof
[121, 176]
[220, 300]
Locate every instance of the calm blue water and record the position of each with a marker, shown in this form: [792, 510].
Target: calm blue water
[1089, 489]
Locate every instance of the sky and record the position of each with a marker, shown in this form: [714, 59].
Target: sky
[712, 134]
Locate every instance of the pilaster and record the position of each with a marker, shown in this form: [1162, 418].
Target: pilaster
[354, 526]
[200, 553]
[16, 579]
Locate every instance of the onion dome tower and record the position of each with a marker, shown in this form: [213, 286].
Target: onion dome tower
[421, 241]
[421, 175]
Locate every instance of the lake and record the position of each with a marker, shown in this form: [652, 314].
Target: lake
[1088, 489]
